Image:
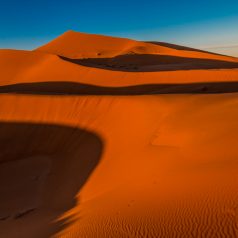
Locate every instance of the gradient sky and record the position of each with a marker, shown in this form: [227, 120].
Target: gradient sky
[207, 24]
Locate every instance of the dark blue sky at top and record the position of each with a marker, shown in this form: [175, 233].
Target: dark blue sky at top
[36, 21]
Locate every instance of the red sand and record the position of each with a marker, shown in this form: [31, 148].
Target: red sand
[88, 149]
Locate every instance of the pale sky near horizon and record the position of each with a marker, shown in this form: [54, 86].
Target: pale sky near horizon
[210, 25]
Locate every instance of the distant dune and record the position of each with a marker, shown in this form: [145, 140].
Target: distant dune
[111, 137]
[225, 49]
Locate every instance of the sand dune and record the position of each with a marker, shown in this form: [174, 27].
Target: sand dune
[80, 45]
[91, 149]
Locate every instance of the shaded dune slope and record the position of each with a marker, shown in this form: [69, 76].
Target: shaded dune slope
[43, 167]
[152, 63]
[72, 88]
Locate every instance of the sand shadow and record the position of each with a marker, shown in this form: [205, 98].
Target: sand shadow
[42, 169]
[72, 88]
[151, 63]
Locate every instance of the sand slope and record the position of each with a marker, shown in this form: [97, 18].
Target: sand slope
[91, 149]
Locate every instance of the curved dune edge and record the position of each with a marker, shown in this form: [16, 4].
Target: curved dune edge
[81, 157]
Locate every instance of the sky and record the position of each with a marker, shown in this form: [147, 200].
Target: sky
[205, 24]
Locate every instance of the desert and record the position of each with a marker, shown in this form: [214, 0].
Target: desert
[111, 137]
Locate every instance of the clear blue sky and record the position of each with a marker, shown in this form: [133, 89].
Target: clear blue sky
[27, 24]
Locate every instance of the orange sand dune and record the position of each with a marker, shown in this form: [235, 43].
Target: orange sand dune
[90, 150]
[80, 45]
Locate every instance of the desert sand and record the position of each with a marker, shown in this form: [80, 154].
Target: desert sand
[111, 137]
